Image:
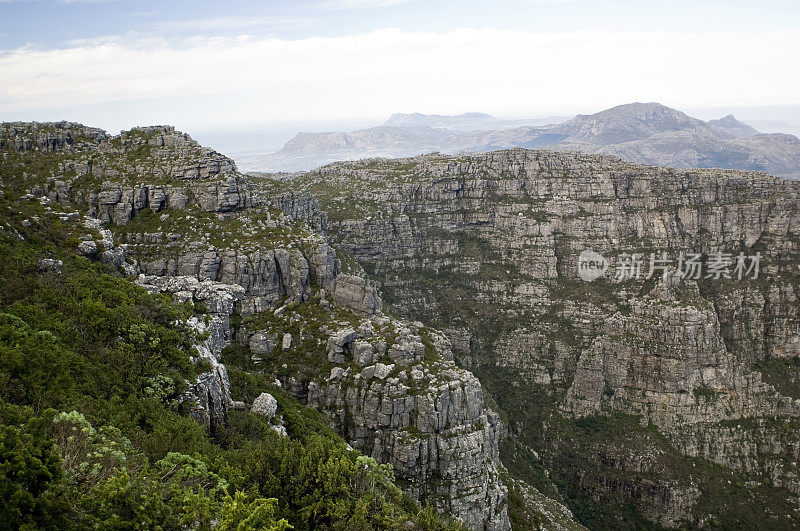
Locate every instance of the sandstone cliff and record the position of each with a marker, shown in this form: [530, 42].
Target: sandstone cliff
[627, 389]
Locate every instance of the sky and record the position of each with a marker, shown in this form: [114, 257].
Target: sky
[244, 65]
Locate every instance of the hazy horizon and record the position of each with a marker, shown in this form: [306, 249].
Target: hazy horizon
[339, 64]
[269, 138]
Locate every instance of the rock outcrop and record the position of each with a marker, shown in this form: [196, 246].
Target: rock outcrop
[302, 207]
[356, 294]
[395, 394]
[210, 395]
[23, 137]
[265, 405]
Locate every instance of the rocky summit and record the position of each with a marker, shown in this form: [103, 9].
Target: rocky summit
[639, 400]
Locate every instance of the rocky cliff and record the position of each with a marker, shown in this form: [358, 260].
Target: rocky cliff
[180, 219]
[652, 400]
[395, 394]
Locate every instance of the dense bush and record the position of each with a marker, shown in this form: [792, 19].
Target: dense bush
[31, 477]
[92, 434]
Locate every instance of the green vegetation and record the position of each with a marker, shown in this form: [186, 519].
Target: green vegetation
[305, 322]
[450, 258]
[171, 232]
[93, 431]
[594, 463]
[783, 374]
[704, 393]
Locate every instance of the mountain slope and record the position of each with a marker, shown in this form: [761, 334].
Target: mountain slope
[775, 154]
[730, 125]
[259, 314]
[625, 123]
[100, 382]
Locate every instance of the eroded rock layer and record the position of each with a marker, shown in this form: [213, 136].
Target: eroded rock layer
[674, 373]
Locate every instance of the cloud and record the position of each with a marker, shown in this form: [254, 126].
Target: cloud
[549, 2]
[62, 1]
[253, 78]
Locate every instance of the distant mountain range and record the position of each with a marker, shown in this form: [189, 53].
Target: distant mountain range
[648, 133]
[470, 121]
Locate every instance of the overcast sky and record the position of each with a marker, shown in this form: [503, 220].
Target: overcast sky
[219, 65]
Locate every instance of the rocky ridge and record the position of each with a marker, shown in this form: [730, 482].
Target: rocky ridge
[395, 394]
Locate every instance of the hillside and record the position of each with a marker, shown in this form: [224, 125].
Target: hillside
[182, 349]
[392, 343]
[730, 125]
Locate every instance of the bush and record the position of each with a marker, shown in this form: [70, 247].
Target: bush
[92, 432]
[31, 479]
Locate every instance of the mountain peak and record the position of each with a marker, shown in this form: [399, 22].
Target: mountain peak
[627, 122]
[645, 110]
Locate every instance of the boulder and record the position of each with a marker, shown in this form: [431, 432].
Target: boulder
[356, 294]
[265, 405]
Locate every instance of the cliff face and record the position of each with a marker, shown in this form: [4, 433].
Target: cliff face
[180, 219]
[395, 394]
[687, 373]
